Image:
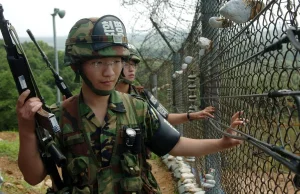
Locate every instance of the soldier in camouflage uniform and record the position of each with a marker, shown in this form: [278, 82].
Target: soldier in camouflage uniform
[105, 133]
[125, 85]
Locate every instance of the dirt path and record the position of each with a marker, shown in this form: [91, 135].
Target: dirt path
[14, 182]
[163, 176]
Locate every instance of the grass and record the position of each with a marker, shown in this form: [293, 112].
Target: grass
[154, 156]
[26, 188]
[9, 149]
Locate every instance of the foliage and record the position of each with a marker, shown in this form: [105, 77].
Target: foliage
[7, 100]
[42, 76]
[10, 149]
[154, 156]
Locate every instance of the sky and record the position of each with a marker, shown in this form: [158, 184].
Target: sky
[36, 14]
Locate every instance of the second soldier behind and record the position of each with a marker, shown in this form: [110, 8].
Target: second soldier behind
[125, 84]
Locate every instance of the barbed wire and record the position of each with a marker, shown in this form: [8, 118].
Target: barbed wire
[173, 18]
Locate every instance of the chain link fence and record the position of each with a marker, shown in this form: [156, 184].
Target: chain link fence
[244, 64]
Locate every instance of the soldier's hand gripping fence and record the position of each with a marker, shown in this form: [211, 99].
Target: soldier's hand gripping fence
[288, 159]
[58, 79]
[46, 124]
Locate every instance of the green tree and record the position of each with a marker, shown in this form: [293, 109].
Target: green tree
[8, 99]
[42, 75]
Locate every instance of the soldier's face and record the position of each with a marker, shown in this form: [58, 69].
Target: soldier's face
[130, 70]
[103, 72]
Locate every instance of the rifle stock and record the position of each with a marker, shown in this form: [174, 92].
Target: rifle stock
[46, 124]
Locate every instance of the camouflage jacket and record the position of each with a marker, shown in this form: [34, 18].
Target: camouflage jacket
[97, 159]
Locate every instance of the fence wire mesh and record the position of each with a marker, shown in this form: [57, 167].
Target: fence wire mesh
[232, 73]
[244, 64]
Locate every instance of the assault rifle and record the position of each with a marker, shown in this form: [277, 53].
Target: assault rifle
[46, 123]
[58, 79]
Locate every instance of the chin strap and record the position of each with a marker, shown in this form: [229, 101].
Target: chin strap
[126, 81]
[77, 77]
[90, 85]
[75, 68]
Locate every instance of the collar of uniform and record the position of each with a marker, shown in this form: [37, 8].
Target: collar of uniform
[115, 104]
[83, 108]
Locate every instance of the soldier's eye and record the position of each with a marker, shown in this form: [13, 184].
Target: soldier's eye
[117, 62]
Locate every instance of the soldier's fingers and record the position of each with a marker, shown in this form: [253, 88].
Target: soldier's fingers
[236, 115]
[210, 111]
[236, 123]
[28, 111]
[244, 120]
[32, 101]
[211, 108]
[36, 107]
[208, 114]
[22, 98]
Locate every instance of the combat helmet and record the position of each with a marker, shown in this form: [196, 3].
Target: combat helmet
[92, 38]
[134, 56]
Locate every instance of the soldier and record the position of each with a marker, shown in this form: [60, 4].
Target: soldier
[105, 133]
[125, 85]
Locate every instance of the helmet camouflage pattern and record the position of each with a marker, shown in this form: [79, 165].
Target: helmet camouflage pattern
[134, 56]
[96, 37]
